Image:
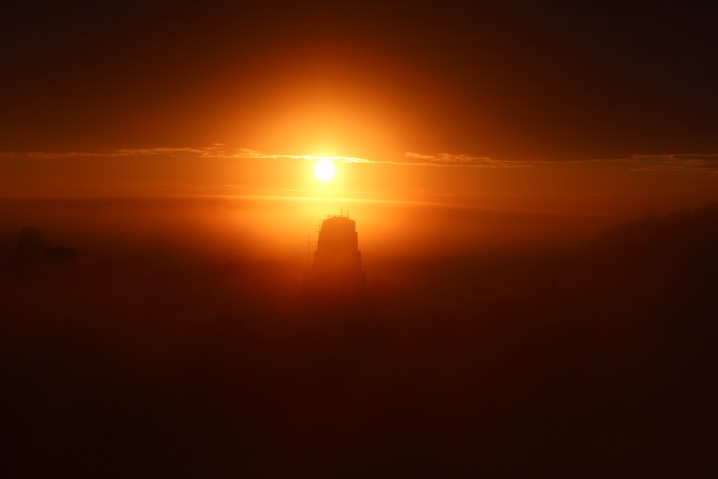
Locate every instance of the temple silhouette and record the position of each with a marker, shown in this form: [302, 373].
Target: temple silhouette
[336, 272]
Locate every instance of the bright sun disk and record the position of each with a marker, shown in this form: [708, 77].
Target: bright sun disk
[324, 170]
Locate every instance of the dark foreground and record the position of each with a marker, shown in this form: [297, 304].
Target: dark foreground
[597, 362]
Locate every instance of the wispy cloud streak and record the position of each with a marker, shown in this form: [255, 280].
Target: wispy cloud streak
[676, 162]
[214, 151]
[463, 160]
[688, 162]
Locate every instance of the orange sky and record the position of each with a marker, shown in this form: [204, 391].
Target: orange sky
[615, 187]
[599, 112]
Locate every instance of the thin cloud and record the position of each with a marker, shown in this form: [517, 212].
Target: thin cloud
[443, 160]
[119, 153]
[702, 163]
[463, 160]
[688, 162]
[217, 150]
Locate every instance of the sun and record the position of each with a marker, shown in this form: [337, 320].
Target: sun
[324, 170]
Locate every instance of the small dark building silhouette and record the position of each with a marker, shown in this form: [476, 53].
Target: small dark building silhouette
[33, 260]
[28, 262]
[30, 247]
[60, 257]
[336, 271]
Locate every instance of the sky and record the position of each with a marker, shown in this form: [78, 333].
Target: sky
[594, 107]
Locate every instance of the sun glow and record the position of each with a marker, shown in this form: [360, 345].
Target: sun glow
[324, 170]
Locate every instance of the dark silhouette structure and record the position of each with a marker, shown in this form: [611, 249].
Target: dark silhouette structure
[28, 262]
[30, 247]
[33, 260]
[60, 257]
[336, 271]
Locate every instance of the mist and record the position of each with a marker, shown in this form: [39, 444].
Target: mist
[176, 339]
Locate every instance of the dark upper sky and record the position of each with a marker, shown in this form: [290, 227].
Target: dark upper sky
[507, 79]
